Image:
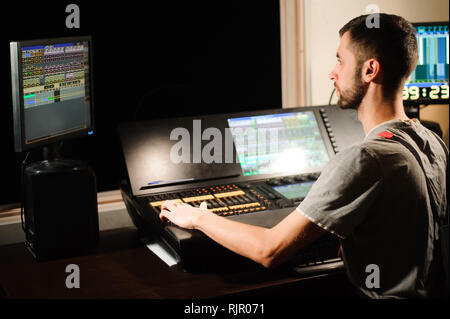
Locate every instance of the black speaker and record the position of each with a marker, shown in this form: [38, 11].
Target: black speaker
[60, 209]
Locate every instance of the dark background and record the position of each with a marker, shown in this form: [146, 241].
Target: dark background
[152, 59]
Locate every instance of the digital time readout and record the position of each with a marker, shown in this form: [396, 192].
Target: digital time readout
[429, 92]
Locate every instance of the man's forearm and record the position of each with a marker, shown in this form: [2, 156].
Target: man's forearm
[246, 240]
[268, 247]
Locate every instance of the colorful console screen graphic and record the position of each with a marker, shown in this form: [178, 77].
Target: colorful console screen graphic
[53, 73]
[55, 86]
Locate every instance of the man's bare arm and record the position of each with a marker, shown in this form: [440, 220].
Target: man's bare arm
[267, 246]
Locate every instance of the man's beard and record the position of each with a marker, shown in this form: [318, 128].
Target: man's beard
[352, 98]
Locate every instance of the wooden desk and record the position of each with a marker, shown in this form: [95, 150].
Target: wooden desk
[122, 267]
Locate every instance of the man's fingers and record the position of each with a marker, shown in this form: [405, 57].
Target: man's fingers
[164, 214]
[203, 206]
[169, 204]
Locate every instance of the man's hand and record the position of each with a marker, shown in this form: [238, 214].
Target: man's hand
[181, 214]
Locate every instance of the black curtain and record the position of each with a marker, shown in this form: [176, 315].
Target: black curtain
[152, 59]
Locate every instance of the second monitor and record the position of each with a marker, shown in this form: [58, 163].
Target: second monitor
[428, 84]
[52, 90]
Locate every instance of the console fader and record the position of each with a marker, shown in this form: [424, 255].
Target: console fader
[224, 200]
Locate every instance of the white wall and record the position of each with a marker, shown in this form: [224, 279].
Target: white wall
[326, 17]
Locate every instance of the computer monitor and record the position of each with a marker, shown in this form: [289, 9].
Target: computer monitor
[278, 143]
[428, 84]
[51, 90]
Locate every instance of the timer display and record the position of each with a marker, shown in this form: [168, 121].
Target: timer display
[429, 92]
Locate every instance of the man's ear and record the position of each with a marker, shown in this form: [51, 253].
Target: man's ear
[371, 71]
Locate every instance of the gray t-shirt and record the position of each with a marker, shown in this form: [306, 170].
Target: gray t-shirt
[374, 197]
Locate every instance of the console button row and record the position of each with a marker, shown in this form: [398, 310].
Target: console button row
[329, 129]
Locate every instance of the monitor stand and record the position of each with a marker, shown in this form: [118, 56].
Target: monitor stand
[52, 151]
[413, 111]
[52, 161]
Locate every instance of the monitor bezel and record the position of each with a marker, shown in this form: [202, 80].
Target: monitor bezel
[20, 144]
[427, 101]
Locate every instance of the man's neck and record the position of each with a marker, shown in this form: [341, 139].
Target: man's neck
[375, 109]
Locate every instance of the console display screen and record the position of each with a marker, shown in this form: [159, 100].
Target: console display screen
[278, 143]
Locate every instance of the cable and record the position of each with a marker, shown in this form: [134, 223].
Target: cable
[22, 170]
[331, 96]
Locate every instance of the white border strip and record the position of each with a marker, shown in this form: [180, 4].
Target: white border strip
[318, 224]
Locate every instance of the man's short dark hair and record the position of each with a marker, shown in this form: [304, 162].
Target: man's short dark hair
[392, 42]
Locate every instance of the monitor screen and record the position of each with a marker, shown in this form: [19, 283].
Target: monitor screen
[278, 143]
[428, 84]
[294, 191]
[52, 95]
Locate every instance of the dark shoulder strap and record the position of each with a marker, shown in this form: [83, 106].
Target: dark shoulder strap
[442, 222]
[444, 147]
[417, 156]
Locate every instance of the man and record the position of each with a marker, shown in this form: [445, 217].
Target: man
[373, 195]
